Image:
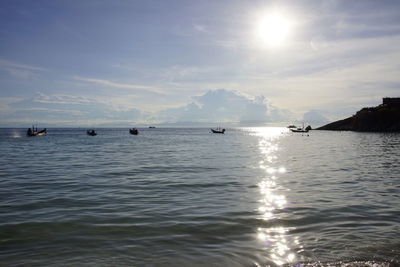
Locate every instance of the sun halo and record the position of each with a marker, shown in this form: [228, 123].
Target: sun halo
[273, 29]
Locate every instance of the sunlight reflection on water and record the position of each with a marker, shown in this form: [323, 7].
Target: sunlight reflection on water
[275, 240]
[15, 134]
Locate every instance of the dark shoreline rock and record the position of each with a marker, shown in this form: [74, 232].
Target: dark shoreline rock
[383, 118]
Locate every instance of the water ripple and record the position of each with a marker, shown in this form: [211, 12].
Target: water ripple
[184, 197]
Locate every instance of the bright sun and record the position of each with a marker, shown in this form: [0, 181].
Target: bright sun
[273, 29]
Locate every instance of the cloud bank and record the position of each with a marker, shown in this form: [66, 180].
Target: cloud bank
[214, 106]
[218, 106]
[64, 110]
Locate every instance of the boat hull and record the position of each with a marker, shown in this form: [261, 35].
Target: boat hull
[299, 131]
[133, 131]
[31, 132]
[91, 132]
[218, 131]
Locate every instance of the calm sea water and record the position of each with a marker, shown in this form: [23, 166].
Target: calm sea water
[185, 197]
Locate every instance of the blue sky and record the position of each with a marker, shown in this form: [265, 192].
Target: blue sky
[78, 63]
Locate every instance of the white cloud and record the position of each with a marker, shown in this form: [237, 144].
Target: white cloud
[225, 106]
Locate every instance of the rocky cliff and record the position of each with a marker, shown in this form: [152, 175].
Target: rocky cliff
[383, 118]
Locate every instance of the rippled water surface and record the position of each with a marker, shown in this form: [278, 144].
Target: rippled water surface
[185, 197]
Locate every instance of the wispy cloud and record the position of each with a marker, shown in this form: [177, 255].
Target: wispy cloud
[11, 64]
[120, 85]
[200, 28]
[66, 109]
[5, 103]
[18, 70]
[62, 99]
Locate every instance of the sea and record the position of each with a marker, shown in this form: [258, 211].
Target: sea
[257, 196]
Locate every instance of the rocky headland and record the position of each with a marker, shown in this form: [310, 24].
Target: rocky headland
[383, 118]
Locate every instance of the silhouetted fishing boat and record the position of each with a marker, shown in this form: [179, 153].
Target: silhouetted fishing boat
[302, 130]
[34, 132]
[134, 131]
[299, 130]
[91, 132]
[218, 130]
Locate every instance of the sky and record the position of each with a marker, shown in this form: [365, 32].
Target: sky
[180, 62]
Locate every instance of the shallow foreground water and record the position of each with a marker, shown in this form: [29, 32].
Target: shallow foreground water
[185, 197]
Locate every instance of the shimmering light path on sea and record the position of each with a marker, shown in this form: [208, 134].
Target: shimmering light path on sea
[277, 244]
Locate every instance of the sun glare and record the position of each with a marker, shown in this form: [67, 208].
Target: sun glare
[273, 29]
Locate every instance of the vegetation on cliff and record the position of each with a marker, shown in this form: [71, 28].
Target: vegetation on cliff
[383, 118]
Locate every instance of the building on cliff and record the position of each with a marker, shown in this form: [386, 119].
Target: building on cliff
[391, 101]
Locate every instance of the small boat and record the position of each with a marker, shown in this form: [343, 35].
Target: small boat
[301, 130]
[134, 131]
[218, 130]
[34, 132]
[91, 132]
[152, 127]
